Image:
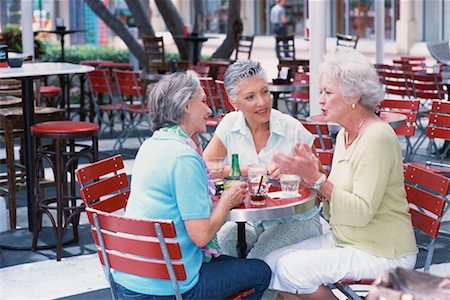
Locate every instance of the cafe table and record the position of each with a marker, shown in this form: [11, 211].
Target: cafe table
[396, 120]
[61, 33]
[195, 40]
[22, 237]
[277, 206]
[277, 89]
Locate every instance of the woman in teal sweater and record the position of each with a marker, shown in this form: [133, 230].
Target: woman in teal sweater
[363, 198]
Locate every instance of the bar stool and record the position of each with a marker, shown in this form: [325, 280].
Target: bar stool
[50, 96]
[63, 156]
[11, 128]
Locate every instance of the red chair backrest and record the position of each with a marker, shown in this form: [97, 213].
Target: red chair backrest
[129, 251]
[406, 107]
[104, 180]
[101, 82]
[129, 83]
[426, 190]
[202, 71]
[225, 101]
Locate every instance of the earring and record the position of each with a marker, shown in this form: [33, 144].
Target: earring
[353, 105]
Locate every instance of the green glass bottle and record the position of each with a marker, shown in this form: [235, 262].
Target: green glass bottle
[235, 169]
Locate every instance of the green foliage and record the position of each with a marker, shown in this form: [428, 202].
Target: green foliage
[12, 36]
[77, 53]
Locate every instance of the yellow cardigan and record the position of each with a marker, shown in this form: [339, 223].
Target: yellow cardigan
[368, 208]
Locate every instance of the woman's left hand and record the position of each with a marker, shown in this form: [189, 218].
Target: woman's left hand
[301, 161]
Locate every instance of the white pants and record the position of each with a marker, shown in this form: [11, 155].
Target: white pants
[302, 268]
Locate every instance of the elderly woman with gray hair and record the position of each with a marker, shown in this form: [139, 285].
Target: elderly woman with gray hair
[169, 181]
[256, 131]
[363, 197]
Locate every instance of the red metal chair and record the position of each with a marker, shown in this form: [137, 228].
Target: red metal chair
[397, 81]
[202, 71]
[101, 86]
[123, 243]
[224, 105]
[321, 132]
[410, 109]
[427, 194]
[133, 104]
[213, 100]
[298, 103]
[438, 130]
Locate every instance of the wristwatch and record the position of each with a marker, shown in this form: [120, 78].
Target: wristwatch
[319, 182]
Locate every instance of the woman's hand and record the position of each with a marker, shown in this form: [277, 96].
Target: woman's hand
[301, 161]
[273, 171]
[235, 195]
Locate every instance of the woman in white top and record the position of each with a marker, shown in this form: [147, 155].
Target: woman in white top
[256, 131]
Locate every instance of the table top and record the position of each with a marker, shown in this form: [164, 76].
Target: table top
[275, 207]
[287, 88]
[59, 31]
[396, 120]
[44, 69]
[194, 38]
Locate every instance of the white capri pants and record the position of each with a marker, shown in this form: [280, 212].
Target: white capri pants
[303, 267]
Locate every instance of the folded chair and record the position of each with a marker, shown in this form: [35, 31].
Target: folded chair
[136, 246]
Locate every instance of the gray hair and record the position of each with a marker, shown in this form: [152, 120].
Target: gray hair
[356, 76]
[169, 97]
[238, 72]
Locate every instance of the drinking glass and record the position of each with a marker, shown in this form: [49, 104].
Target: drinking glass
[258, 187]
[290, 184]
[215, 167]
[256, 170]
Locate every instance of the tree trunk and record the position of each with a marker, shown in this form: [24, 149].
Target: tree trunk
[174, 23]
[140, 16]
[118, 27]
[234, 28]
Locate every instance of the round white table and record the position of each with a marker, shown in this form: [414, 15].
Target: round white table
[21, 238]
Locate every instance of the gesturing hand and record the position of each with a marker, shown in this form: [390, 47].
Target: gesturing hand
[301, 161]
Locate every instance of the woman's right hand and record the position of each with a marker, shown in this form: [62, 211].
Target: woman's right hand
[235, 195]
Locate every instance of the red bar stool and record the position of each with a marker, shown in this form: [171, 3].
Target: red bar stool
[50, 96]
[63, 155]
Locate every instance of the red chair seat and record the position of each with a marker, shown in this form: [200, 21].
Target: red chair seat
[47, 91]
[64, 128]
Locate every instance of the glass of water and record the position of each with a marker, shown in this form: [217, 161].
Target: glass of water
[290, 184]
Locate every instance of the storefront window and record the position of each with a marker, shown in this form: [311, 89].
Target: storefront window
[216, 16]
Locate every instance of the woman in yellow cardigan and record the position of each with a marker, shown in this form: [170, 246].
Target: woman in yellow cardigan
[363, 198]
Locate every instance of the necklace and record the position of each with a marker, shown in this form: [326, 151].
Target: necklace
[346, 138]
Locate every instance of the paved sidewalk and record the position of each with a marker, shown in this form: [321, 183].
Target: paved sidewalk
[37, 275]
